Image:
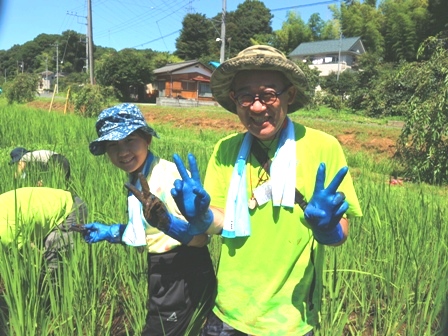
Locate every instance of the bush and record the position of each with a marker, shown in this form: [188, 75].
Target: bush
[22, 89]
[90, 100]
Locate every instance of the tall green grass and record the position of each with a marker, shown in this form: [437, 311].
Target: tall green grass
[388, 279]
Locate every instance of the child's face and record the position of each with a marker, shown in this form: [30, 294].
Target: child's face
[130, 153]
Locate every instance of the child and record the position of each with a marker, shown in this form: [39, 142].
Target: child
[180, 273]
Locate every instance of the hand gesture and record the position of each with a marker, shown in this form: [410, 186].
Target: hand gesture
[156, 213]
[96, 232]
[327, 206]
[154, 209]
[191, 198]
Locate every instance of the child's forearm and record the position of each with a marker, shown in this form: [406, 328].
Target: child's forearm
[218, 221]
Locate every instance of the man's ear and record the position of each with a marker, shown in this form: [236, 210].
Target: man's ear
[292, 91]
[232, 96]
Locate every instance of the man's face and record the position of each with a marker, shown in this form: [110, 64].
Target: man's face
[260, 119]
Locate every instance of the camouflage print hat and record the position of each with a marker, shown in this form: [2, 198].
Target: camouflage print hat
[257, 57]
[116, 123]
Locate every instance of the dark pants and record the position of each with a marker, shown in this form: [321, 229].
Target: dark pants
[60, 239]
[182, 287]
[61, 161]
[216, 327]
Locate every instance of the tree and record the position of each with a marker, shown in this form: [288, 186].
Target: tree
[438, 18]
[251, 18]
[316, 25]
[22, 89]
[294, 31]
[195, 37]
[423, 143]
[123, 69]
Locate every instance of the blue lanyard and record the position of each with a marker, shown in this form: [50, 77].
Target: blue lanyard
[145, 172]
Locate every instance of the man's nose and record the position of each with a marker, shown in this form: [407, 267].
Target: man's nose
[258, 106]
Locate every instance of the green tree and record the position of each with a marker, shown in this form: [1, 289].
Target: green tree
[22, 89]
[123, 69]
[251, 18]
[316, 25]
[438, 18]
[423, 143]
[195, 37]
[361, 19]
[294, 31]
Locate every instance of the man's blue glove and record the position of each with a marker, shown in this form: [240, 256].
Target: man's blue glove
[326, 208]
[96, 232]
[156, 213]
[191, 198]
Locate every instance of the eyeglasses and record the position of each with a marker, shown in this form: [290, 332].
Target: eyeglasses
[266, 98]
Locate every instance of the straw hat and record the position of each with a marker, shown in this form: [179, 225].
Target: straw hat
[257, 57]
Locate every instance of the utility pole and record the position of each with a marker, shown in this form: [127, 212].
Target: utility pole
[339, 56]
[222, 55]
[57, 66]
[90, 34]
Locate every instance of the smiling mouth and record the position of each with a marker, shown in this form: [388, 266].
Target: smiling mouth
[260, 119]
[126, 161]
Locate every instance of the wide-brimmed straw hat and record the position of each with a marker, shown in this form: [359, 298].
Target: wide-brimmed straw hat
[116, 123]
[257, 57]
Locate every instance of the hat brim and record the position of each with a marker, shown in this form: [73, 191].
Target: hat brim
[222, 78]
[98, 146]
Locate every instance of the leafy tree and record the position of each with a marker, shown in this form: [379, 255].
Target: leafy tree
[438, 18]
[361, 19]
[124, 69]
[294, 31]
[342, 85]
[22, 89]
[251, 18]
[316, 25]
[195, 36]
[423, 143]
[90, 100]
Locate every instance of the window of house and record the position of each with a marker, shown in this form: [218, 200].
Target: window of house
[188, 86]
[204, 90]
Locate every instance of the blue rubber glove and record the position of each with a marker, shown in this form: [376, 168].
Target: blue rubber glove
[191, 198]
[326, 208]
[156, 213]
[96, 232]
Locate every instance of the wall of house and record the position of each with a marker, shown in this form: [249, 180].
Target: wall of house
[181, 86]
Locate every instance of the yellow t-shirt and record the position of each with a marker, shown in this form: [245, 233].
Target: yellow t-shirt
[32, 212]
[270, 283]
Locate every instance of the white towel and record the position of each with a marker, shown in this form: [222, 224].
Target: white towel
[283, 181]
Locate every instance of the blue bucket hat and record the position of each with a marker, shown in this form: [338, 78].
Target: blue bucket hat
[116, 123]
[16, 154]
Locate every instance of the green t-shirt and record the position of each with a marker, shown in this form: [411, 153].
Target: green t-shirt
[32, 212]
[270, 283]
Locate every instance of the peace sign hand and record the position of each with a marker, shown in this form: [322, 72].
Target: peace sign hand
[327, 206]
[191, 198]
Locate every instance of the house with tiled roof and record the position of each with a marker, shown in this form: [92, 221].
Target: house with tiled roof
[329, 56]
[184, 80]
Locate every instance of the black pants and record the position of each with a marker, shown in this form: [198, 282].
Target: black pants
[216, 327]
[182, 287]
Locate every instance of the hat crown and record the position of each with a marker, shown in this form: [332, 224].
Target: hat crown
[119, 116]
[261, 51]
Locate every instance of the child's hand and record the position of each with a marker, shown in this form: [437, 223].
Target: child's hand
[157, 214]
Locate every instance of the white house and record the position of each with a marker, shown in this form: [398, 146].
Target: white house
[329, 56]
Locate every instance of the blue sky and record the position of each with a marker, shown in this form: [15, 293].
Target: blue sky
[140, 24]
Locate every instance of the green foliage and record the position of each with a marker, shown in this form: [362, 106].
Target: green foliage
[22, 89]
[294, 31]
[341, 85]
[90, 100]
[195, 38]
[124, 69]
[423, 143]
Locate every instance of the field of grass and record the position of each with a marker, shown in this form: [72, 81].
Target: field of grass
[388, 279]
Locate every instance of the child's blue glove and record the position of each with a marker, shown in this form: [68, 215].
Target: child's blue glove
[191, 198]
[156, 213]
[96, 232]
[326, 208]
